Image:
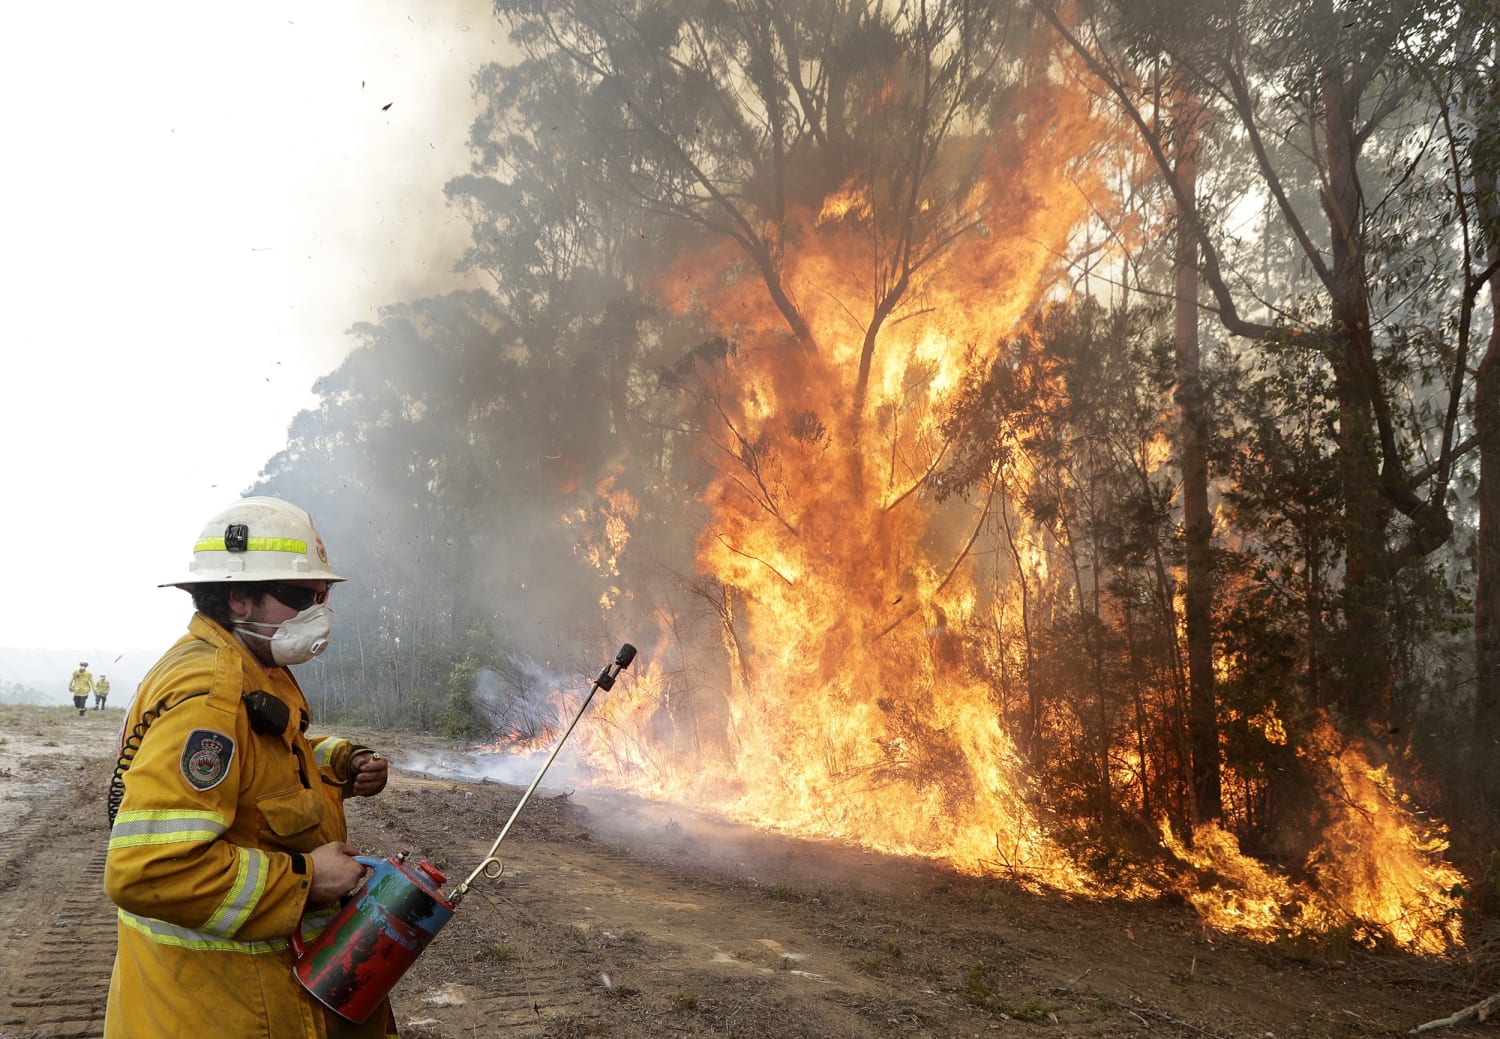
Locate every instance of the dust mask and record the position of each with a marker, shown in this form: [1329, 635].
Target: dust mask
[297, 639]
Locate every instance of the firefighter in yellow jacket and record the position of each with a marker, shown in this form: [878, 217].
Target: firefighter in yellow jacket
[227, 822]
[101, 692]
[81, 685]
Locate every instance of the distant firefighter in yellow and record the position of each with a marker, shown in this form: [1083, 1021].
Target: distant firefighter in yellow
[81, 685]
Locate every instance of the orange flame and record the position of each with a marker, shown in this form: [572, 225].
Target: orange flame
[1377, 874]
[605, 531]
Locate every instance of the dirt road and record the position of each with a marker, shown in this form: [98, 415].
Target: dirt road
[623, 920]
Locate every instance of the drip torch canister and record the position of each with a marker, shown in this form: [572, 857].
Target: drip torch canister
[491, 865]
[383, 925]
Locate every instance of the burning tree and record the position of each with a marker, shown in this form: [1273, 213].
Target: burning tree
[862, 201]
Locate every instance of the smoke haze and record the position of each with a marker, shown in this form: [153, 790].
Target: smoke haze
[224, 192]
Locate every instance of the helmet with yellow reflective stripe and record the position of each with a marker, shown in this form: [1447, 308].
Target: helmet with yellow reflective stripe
[258, 539]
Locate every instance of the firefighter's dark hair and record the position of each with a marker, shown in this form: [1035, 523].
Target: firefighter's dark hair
[212, 598]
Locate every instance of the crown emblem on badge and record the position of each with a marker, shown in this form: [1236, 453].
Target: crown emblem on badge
[206, 757]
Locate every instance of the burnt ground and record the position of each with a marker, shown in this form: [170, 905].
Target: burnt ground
[624, 920]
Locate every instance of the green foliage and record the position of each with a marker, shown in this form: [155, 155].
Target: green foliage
[1481, 897]
[500, 953]
[1079, 400]
[460, 719]
[877, 963]
[783, 891]
[1328, 947]
[981, 987]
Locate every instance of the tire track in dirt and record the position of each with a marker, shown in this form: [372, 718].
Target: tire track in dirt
[60, 939]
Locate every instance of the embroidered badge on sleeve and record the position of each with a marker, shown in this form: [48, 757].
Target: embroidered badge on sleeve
[206, 757]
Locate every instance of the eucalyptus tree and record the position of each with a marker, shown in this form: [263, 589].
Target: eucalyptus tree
[1332, 95]
[1076, 401]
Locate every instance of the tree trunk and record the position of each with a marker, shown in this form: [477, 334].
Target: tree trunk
[1487, 425]
[1197, 524]
[1365, 686]
[1487, 591]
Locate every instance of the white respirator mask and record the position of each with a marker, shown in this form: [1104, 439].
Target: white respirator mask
[297, 639]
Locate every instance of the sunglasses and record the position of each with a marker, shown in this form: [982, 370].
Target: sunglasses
[295, 597]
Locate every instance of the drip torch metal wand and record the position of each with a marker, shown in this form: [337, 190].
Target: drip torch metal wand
[490, 865]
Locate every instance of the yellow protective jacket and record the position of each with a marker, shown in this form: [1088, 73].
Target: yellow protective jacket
[101, 688]
[207, 853]
[82, 683]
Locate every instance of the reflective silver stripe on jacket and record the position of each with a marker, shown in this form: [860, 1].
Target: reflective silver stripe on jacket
[323, 752]
[165, 826]
[244, 895]
[163, 933]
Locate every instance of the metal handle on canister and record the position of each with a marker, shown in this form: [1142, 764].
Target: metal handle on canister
[354, 962]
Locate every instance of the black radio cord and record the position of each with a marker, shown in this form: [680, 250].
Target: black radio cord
[129, 747]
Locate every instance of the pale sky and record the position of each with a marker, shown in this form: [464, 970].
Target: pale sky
[198, 201]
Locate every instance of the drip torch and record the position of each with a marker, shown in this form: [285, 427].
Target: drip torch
[384, 924]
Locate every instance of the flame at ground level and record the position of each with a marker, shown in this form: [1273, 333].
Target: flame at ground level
[1377, 876]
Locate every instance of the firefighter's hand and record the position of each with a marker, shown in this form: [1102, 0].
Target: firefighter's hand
[369, 770]
[334, 872]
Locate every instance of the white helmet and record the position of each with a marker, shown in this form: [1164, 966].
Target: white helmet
[258, 539]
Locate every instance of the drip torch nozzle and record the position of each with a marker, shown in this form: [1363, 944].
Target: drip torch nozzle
[606, 679]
